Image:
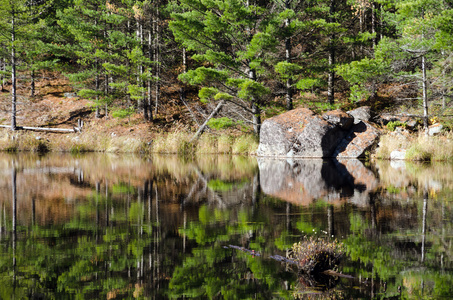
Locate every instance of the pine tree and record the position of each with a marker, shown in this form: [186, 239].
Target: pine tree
[231, 40]
[17, 16]
[406, 59]
[86, 22]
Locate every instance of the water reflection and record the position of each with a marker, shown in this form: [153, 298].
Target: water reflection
[108, 226]
[302, 181]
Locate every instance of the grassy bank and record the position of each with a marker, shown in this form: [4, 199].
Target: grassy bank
[177, 142]
[419, 147]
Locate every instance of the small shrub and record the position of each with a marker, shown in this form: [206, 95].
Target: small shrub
[186, 148]
[176, 142]
[224, 144]
[13, 148]
[122, 113]
[34, 144]
[389, 143]
[416, 152]
[79, 148]
[315, 255]
[245, 144]
[393, 124]
[207, 143]
[221, 123]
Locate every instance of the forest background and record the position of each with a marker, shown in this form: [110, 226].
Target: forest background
[155, 68]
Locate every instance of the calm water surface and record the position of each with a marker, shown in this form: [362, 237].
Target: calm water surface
[125, 227]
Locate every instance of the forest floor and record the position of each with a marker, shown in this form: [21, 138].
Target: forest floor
[56, 105]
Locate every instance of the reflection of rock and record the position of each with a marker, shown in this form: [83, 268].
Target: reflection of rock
[302, 181]
[302, 133]
[398, 164]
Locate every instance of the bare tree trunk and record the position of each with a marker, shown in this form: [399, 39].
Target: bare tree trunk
[288, 46]
[98, 109]
[13, 73]
[331, 78]
[182, 91]
[32, 87]
[256, 110]
[203, 126]
[157, 58]
[149, 105]
[425, 93]
[2, 77]
[373, 23]
[106, 78]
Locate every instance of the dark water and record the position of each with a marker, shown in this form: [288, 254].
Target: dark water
[123, 227]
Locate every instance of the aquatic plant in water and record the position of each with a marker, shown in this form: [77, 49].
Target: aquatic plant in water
[315, 255]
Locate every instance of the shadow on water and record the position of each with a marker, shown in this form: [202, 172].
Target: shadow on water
[108, 226]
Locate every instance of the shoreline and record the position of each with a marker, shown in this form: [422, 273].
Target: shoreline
[411, 147]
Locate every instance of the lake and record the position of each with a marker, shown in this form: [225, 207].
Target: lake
[101, 226]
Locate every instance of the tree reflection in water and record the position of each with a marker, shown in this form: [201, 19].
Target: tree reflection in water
[101, 226]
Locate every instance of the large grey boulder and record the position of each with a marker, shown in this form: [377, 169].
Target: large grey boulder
[299, 132]
[303, 133]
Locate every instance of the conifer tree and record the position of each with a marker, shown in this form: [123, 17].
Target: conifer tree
[86, 22]
[232, 40]
[17, 15]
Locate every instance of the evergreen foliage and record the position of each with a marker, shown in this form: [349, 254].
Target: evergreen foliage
[254, 55]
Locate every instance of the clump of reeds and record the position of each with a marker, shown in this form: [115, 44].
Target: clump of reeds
[24, 141]
[315, 255]
[180, 143]
[245, 144]
[418, 147]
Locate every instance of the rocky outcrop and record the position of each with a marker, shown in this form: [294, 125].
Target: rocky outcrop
[299, 132]
[361, 138]
[303, 133]
[361, 114]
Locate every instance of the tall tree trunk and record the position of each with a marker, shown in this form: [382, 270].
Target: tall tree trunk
[97, 81]
[149, 105]
[2, 77]
[106, 75]
[424, 86]
[32, 87]
[288, 46]
[157, 58]
[425, 93]
[256, 110]
[331, 78]
[13, 72]
[373, 23]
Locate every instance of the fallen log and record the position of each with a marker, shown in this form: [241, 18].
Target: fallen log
[203, 126]
[41, 128]
[62, 130]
